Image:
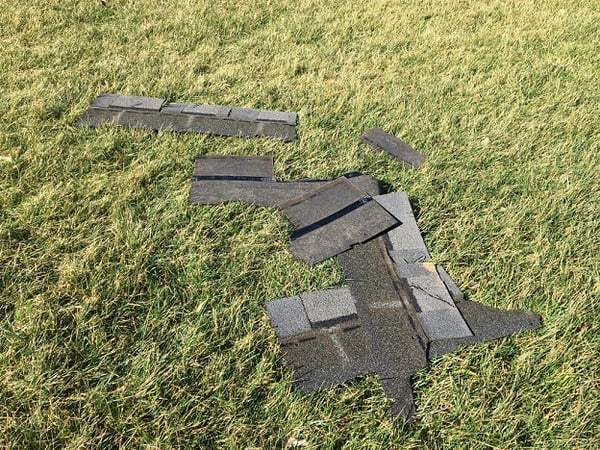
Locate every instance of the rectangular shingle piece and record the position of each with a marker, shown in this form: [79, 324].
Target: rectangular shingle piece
[288, 316]
[407, 243]
[325, 308]
[322, 202]
[137, 102]
[253, 168]
[332, 218]
[383, 141]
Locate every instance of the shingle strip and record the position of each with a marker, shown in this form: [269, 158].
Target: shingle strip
[147, 112]
[261, 193]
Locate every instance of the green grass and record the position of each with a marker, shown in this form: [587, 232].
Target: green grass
[129, 318]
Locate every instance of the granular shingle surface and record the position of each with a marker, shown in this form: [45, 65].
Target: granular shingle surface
[260, 193]
[329, 306]
[259, 168]
[288, 316]
[388, 336]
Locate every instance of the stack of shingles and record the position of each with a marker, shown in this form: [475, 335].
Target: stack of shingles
[398, 310]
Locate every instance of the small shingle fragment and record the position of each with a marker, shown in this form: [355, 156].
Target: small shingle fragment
[383, 141]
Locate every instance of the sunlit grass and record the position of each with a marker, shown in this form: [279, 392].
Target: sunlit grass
[129, 318]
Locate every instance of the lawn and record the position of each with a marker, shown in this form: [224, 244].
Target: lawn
[132, 319]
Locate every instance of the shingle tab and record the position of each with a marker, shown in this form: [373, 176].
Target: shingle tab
[427, 288]
[288, 316]
[290, 118]
[444, 324]
[244, 114]
[234, 166]
[437, 311]
[327, 307]
[208, 110]
[486, 323]
[137, 102]
[175, 108]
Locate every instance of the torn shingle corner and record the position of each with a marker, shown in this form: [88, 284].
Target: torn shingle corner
[147, 112]
[393, 146]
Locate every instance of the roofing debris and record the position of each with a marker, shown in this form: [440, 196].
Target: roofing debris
[399, 309]
[147, 112]
[380, 140]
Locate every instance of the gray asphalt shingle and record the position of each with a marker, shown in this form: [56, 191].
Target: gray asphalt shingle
[126, 110]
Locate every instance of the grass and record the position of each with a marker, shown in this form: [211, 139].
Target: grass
[129, 318]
